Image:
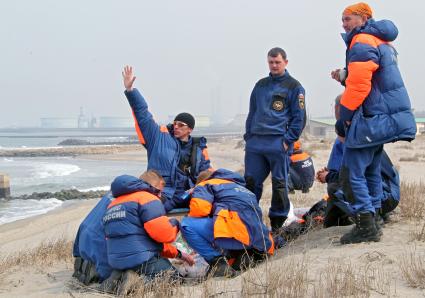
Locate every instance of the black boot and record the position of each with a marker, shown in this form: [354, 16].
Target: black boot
[379, 222]
[220, 268]
[78, 264]
[276, 223]
[280, 203]
[364, 231]
[88, 273]
[110, 285]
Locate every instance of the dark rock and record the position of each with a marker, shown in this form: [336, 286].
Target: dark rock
[63, 195]
[73, 142]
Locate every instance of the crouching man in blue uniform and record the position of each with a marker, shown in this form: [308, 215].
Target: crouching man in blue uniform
[225, 223]
[139, 235]
[91, 260]
[275, 121]
[375, 109]
[171, 150]
[338, 209]
[90, 245]
[301, 170]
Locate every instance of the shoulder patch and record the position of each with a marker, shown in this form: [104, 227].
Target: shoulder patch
[301, 101]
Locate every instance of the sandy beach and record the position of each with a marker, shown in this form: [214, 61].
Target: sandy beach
[314, 259]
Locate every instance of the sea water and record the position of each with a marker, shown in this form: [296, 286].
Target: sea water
[52, 174]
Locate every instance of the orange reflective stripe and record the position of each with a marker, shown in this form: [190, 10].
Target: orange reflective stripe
[140, 197]
[297, 145]
[271, 249]
[358, 83]
[228, 224]
[205, 154]
[199, 207]
[161, 230]
[299, 157]
[368, 39]
[214, 181]
[164, 128]
[138, 131]
[169, 251]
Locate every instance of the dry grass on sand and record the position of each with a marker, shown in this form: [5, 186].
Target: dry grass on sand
[314, 265]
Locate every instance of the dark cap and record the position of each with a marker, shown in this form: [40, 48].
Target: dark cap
[186, 118]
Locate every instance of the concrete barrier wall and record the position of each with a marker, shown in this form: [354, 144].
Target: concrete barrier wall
[4, 186]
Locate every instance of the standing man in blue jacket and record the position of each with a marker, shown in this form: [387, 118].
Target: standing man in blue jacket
[375, 109]
[172, 151]
[275, 121]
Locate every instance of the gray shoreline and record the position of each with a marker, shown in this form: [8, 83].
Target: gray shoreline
[68, 150]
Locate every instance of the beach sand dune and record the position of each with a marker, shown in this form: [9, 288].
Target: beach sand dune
[307, 267]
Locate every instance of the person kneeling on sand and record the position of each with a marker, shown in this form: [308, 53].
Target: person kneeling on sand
[138, 234]
[338, 210]
[91, 260]
[225, 224]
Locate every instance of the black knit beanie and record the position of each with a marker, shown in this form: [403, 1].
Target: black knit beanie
[186, 118]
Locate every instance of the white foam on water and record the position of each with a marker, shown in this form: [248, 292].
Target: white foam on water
[8, 159]
[46, 170]
[97, 188]
[14, 210]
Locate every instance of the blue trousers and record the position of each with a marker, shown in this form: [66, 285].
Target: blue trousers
[265, 154]
[361, 178]
[155, 266]
[199, 234]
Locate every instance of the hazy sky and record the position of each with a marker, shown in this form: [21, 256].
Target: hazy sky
[195, 56]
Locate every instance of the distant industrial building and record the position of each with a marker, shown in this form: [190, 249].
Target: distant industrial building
[321, 127]
[116, 122]
[57, 122]
[83, 121]
[239, 120]
[420, 125]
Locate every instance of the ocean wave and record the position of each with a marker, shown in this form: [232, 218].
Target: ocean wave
[14, 210]
[97, 188]
[8, 159]
[46, 170]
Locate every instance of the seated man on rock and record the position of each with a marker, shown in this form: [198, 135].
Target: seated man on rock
[138, 234]
[172, 150]
[301, 170]
[225, 223]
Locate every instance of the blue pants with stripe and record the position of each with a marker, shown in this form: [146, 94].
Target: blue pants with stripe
[199, 234]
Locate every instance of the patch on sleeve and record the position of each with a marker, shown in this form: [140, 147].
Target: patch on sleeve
[301, 101]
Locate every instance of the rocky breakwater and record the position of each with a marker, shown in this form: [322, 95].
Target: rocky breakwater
[63, 195]
[67, 151]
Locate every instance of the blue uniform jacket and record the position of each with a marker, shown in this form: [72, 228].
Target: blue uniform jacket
[90, 242]
[234, 208]
[164, 150]
[135, 224]
[276, 110]
[375, 99]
